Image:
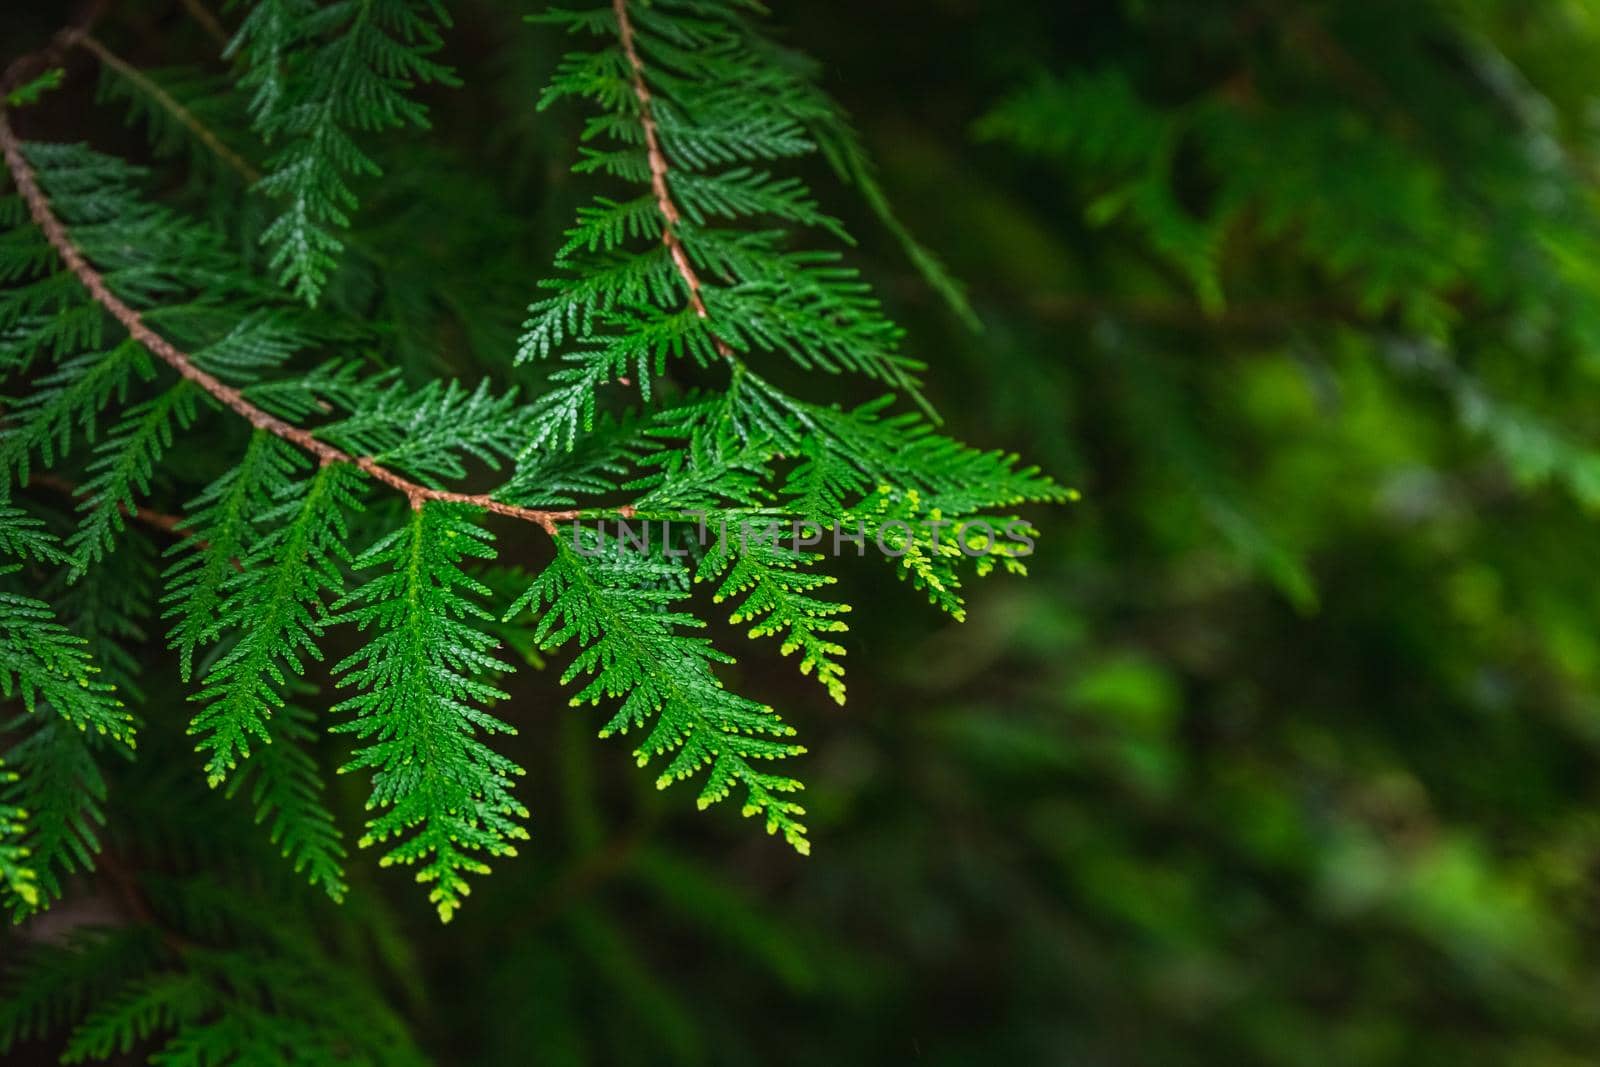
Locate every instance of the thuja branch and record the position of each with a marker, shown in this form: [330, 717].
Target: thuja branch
[56, 234]
[166, 101]
[671, 216]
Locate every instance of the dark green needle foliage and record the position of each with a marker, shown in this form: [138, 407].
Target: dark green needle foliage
[319, 75]
[223, 958]
[419, 706]
[235, 450]
[615, 607]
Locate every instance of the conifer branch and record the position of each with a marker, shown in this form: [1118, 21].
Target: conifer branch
[116, 291]
[183, 115]
[658, 177]
[416, 493]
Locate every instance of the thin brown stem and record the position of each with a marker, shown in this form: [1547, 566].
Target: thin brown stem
[176, 525]
[670, 214]
[144, 84]
[231, 398]
[207, 21]
[26, 67]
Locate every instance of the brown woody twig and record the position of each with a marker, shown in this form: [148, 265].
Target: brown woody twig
[176, 525]
[670, 214]
[416, 493]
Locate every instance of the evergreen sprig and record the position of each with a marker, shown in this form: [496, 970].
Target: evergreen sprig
[319, 75]
[680, 85]
[275, 604]
[615, 605]
[419, 706]
[131, 330]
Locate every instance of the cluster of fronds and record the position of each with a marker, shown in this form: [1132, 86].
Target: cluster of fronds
[331, 499]
[222, 956]
[319, 74]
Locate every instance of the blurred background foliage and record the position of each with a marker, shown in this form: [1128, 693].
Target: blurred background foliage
[1286, 752]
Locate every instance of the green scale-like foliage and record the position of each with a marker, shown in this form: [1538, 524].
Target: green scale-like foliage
[18, 879]
[248, 980]
[1395, 223]
[51, 793]
[43, 662]
[340, 512]
[419, 705]
[774, 585]
[721, 109]
[320, 74]
[614, 604]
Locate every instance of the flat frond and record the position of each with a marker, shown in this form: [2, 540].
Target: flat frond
[616, 606]
[443, 794]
